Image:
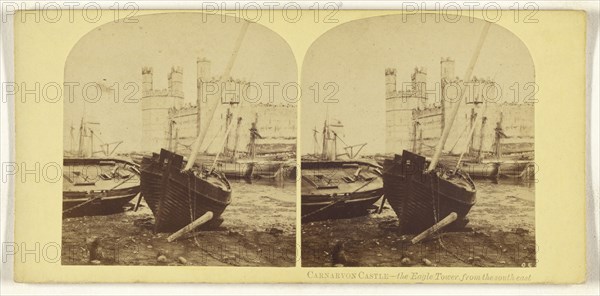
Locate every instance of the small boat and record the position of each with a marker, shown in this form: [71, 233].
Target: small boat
[421, 199]
[177, 197]
[336, 188]
[475, 169]
[98, 186]
[339, 188]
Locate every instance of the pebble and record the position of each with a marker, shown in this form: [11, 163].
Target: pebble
[149, 247]
[394, 249]
[162, 259]
[502, 262]
[182, 260]
[427, 262]
[405, 261]
[96, 262]
[379, 255]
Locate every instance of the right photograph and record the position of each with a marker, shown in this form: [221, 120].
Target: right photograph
[418, 145]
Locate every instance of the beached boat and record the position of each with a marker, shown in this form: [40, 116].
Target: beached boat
[177, 197]
[97, 186]
[420, 198]
[334, 188]
[339, 188]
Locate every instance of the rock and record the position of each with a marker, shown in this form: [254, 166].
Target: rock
[394, 249]
[275, 231]
[470, 259]
[427, 262]
[149, 246]
[182, 260]
[162, 259]
[502, 262]
[405, 261]
[379, 255]
[96, 262]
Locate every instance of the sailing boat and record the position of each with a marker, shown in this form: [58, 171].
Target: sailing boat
[248, 164]
[335, 188]
[96, 185]
[422, 192]
[179, 192]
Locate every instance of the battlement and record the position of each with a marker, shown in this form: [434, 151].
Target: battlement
[426, 112]
[390, 71]
[176, 69]
[147, 70]
[421, 70]
[161, 93]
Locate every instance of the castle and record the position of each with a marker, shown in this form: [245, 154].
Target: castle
[170, 123]
[417, 114]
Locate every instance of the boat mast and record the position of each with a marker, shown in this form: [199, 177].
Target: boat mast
[202, 133]
[237, 137]
[446, 131]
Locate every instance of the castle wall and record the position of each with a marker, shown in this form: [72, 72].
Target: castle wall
[163, 109]
[403, 110]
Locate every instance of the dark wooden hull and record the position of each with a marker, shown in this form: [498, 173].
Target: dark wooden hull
[178, 197]
[421, 199]
[346, 201]
[91, 200]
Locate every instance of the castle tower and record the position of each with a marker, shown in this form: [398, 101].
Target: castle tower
[447, 69]
[419, 82]
[176, 81]
[146, 79]
[390, 81]
[156, 104]
[203, 68]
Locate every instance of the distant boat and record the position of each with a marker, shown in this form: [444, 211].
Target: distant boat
[176, 196]
[335, 188]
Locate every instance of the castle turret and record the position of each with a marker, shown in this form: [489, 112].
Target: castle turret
[176, 81]
[447, 69]
[203, 68]
[146, 79]
[390, 80]
[419, 82]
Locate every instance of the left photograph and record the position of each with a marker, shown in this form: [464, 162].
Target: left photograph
[180, 144]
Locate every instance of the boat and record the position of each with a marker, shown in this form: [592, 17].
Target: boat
[423, 192]
[98, 186]
[421, 198]
[179, 191]
[177, 197]
[337, 188]
[95, 185]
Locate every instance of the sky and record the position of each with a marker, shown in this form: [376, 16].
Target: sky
[114, 54]
[354, 56]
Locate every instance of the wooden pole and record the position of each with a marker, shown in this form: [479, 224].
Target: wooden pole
[433, 229]
[440, 146]
[204, 130]
[195, 224]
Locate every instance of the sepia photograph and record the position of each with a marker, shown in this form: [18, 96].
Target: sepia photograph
[176, 153]
[421, 151]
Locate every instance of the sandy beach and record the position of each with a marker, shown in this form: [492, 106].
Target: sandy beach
[258, 230]
[501, 233]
